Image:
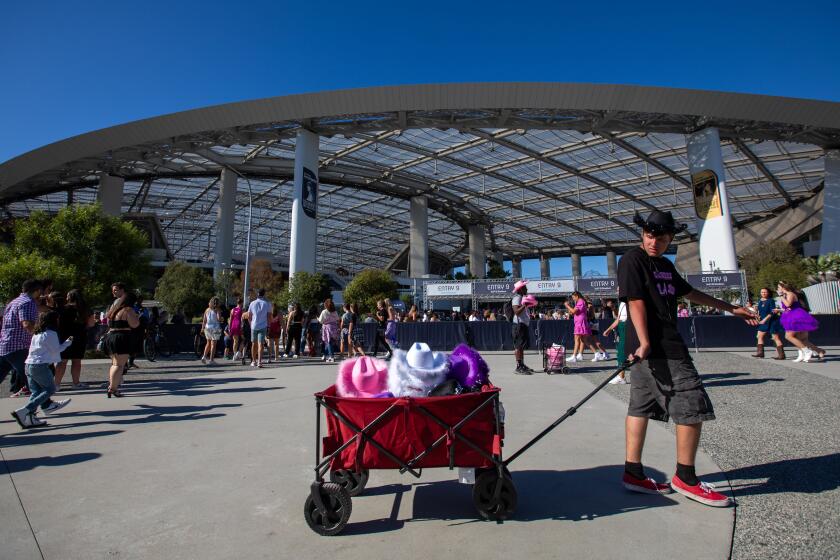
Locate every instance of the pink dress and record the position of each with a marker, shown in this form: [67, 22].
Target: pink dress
[581, 323]
[236, 321]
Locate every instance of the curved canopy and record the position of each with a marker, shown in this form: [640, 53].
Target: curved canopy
[548, 167]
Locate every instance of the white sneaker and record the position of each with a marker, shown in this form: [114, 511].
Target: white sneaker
[618, 380]
[253, 364]
[596, 358]
[605, 356]
[572, 360]
[579, 357]
[808, 354]
[56, 406]
[238, 355]
[204, 360]
[799, 356]
[22, 417]
[35, 421]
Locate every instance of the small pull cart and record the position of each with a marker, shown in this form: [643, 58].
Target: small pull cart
[410, 434]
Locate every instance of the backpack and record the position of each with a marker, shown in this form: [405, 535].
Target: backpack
[507, 311]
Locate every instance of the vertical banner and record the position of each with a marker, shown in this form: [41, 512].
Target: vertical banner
[708, 180]
[304, 226]
[309, 193]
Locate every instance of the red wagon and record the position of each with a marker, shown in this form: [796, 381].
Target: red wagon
[410, 434]
[407, 434]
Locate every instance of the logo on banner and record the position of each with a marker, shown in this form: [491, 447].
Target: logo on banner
[706, 194]
[309, 193]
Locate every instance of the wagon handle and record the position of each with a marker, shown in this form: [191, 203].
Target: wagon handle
[572, 410]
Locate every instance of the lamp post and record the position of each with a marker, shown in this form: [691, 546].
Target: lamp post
[247, 242]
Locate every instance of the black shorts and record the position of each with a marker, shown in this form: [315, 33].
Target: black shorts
[663, 388]
[521, 336]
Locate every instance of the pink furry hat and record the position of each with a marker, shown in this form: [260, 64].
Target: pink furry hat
[363, 377]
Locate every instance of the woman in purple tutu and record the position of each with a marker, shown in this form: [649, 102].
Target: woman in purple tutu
[798, 323]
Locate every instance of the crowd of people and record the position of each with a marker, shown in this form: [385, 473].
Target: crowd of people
[266, 332]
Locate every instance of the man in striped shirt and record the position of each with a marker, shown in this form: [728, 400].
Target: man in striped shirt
[18, 322]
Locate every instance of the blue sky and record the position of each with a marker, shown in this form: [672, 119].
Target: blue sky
[72, 67]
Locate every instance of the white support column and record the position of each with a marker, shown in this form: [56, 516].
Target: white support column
[545, 267]
[418, 238]
[478, 261]
[304, 230]
[110, 194]
[516, 266]
[714, 224]
[576, 270]
[224, 221]
[612, 263]
[830, 238]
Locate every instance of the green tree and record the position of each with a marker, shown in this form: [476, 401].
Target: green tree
[369, 286]
[225, 285]
[95, 249]
[771, 273]
[185, 288]
[14, 269]
[783, 258]
[495, 269]
[308, 289]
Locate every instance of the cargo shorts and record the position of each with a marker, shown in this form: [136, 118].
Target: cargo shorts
[663, 388]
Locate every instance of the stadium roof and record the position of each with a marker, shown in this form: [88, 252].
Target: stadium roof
[547, 167]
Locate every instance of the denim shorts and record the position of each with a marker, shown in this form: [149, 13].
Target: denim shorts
[663, 388]
[258, 335]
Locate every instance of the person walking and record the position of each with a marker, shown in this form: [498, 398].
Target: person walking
[582, 332]
[356, 332]
[329, 329]
[275, 330]
[258, 312]
[75, 321]
[797, 323]
[311, 329]
[769, 323]
[44, 351]
[520, 330]
[211, 326]
[119, 340]
[391, 327]
[294, 331]
[344, 341]
[235, 329]
[619, 325]
[594, 332]
[16, 335]
[665, 381]
[381, 315]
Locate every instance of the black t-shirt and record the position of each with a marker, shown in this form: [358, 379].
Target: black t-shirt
[382, 317]
[655, 281]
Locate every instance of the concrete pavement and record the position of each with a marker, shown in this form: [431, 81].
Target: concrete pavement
[218, 465]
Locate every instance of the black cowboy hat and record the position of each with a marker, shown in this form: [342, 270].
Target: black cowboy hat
[659, 222]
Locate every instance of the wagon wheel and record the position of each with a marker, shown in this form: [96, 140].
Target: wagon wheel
[566, 370]
[484, 496]
[338, 504]
[351, 481]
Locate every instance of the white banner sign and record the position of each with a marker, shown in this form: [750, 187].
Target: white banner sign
[448, 289]
[565, 286]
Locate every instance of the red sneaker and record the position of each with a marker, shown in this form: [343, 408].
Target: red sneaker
[646, 486]
[703, 492]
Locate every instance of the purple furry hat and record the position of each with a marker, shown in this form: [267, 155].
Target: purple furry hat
[468, 367]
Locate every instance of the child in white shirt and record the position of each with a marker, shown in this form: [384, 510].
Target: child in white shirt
[44, 351]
